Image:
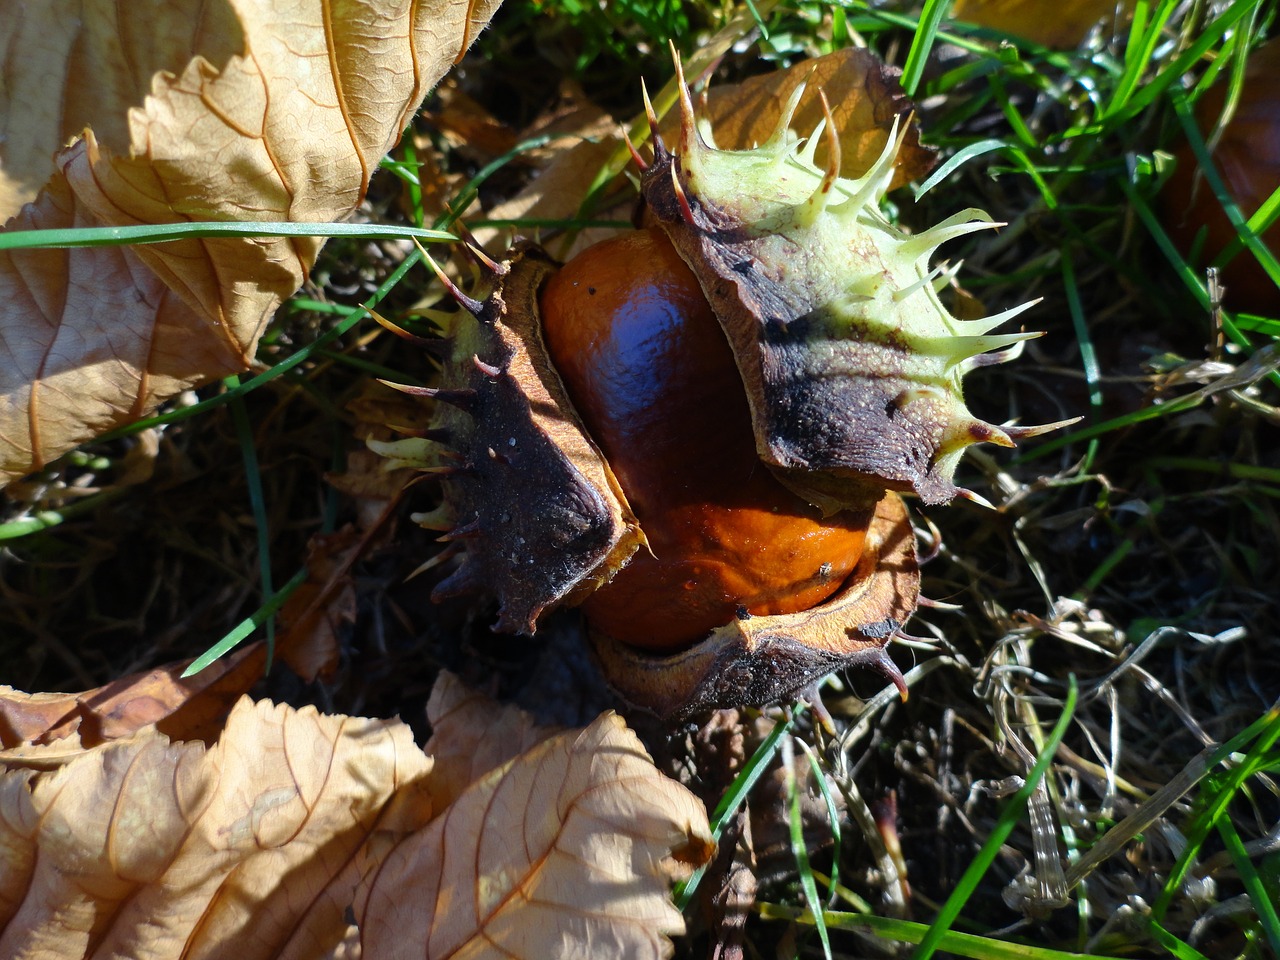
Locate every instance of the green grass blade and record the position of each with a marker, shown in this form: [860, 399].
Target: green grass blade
[734, 797]
[245, 628]
[1088, 355]
[955, 161]
[922, 44]
[801, 851]
[1176, 69]
[167, 232]
[1253, 760]
[833, 814]
[408, 172]
[1009, 818]
[1239, 222]
[1179, 948]
[294, 360]
[909, 931]
[257, 503]
[1145, 33]
[1261, 899]
[26, 526]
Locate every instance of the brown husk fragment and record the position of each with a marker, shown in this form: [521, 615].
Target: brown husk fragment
[540, 513]
[760, 660]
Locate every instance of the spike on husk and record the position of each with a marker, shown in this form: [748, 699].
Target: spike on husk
[851, 362]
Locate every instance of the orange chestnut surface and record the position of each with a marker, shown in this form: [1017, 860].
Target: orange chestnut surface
[652, 377]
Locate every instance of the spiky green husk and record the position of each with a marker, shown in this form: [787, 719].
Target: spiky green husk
[852, 364]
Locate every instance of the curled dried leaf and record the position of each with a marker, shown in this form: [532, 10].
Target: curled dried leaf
[567, 850]
[150, 849]
[226, 112]
[293, 823]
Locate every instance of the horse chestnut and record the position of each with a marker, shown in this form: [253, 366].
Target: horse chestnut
[696, 431]
[650, 372]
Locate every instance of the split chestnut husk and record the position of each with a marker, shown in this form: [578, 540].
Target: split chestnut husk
[697, 431]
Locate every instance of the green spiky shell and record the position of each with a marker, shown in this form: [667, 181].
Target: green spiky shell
[852, 365]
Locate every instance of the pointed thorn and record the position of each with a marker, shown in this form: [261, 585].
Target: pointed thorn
[476, 248]
[911, 637]
[987, 324]
[1025, 433]
[461, 582]
[872, 185]
[958, 225]
[487, 262]
[813, 694]
[426, 343]
[439, 519]
[433, 434]
[993, 358]
[963, 494]
[444, 556]
[659, 146]
[688, 125]
[469, 531]
[883, 664]
[487, 369]
[928, 280]
[810, 149]
[946, 274]
[817, 201]
[910, 395]
[931, 604]
[833, 144]
[509, 622]
[778, 139]
[967, 348]
[686, 211]
[464, 399]
[638, 160]
[409, 389]
[931, 547]
[470, 304]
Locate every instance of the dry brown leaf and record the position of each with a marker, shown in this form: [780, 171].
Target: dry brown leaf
[293, 822]
[268, 111]
[468, 126]
[1068, 24]
[150, 849]
[191, 708]
[565, 851]
[315, 612]
[471, 735]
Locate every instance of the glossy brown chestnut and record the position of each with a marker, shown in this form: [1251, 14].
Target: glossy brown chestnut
[652, 377]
